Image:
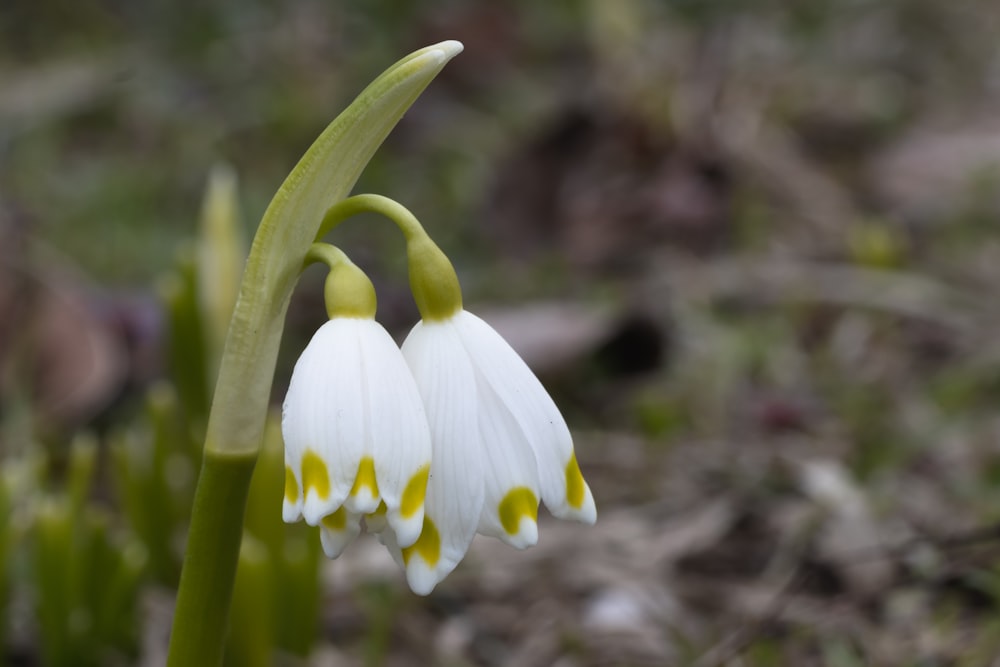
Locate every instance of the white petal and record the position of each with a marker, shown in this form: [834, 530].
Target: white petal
[291, 511]
[291, 503]
[388, 539]
[563, 489]
[399, 435]
[375, 522]
[322, 420]
[337, 530]
[455, 487]
[363, 500]
[510, 511]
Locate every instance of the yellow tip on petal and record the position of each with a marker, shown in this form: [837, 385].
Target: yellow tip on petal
[519, 502]
[315, 475]
[427, 546]
[365, 478]
[413, 494]
[575, 486]
[336, 521]
[379, 511]
[291, 486]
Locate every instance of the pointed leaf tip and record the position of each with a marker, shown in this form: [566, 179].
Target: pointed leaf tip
[449, 48]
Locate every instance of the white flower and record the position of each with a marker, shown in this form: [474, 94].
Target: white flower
[356, 437]
[498, 444]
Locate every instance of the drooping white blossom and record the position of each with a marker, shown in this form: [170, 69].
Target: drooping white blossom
[356, 437]
[499, 444]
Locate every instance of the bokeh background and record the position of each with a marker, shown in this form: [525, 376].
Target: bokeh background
[750, 247]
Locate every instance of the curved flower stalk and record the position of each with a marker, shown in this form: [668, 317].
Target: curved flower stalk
[498, 442]
[356, 438]
[323, 176]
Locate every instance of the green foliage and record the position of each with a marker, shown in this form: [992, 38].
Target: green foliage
[661, 414]
[252, 629]
[876, 244]
[156, 465]
[187, 354]
[278, 570]
[839, 653]
[158, 457]
[85, 573]
[764, 653]
[221, 254]
[381, 604]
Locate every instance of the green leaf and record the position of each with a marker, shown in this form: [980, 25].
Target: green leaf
[251, 635]
[221, 252]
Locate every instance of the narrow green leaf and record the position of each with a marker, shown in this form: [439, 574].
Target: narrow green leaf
[82, 461]
[221, 253]
[187, 356]
[251, 635]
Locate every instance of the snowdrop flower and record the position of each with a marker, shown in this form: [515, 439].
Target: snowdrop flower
[499, 443]
[357, 443]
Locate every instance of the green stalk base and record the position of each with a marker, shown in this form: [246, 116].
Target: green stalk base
[201, 617]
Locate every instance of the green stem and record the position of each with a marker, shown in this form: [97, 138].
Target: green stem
[348, 291]
[433, 280]
[324, 253]
[202, 613]
[346, 208]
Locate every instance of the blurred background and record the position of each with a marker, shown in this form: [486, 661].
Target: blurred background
[750, 247]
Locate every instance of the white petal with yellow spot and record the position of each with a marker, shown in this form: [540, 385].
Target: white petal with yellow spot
[498, 443]
[399, 437]
[455, 490]
[356, 437]
[563, 489]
